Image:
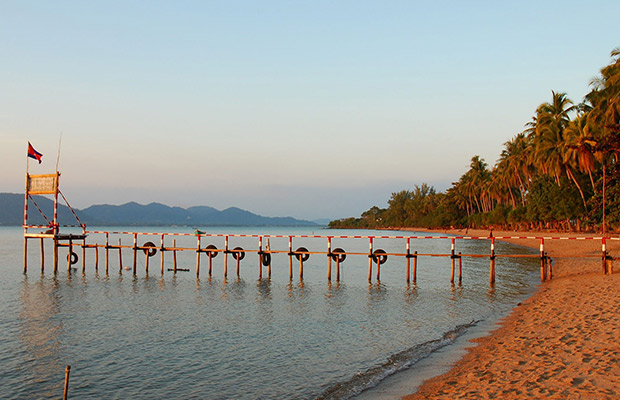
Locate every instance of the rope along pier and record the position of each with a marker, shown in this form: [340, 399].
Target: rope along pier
[146, 245]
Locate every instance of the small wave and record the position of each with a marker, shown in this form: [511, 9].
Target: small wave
[394, 363]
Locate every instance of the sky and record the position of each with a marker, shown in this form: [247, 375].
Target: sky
[311, 109]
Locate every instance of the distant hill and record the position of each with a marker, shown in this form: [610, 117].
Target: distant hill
[12, 211]
[134, 214]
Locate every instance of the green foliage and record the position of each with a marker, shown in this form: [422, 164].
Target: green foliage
[548, 201]
[549, 175]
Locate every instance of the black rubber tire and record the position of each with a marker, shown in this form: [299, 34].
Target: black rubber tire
[303, 257]
[339, 255]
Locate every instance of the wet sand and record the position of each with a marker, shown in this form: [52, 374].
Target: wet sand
[561, 343]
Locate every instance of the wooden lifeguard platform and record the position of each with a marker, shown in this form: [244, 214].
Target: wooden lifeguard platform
[47, 184]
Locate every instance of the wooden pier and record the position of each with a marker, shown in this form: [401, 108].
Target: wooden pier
[145, 246]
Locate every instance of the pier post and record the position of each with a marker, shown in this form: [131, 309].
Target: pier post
[135, 251]
[55, 255]
[329, 258]
[604, 255]
[96, 258]
[42, 257]
[198, 258]
[408, 256]
[290, 258]
[415, 266]
[83, 256]
[226, 256]
[543, 271]
[66, 389]
[69, 255]
[452, 257]
[25, 254]
[460, 269]
[260, 257]
[161, 254]
[492, 272]
[370, 259]
[120, 256]
[107, 251]
[146, 260]
[337, 269]
[174, 255]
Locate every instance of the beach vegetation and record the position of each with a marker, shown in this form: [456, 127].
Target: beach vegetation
[560, 173]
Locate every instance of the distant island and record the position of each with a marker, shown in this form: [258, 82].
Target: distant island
[134, 214]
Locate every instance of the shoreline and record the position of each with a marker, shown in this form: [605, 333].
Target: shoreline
[559, 343]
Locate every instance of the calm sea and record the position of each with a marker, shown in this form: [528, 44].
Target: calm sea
[175, 336]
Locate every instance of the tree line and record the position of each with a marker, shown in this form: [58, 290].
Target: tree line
[560, 173]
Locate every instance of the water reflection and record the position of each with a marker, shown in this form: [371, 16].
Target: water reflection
[41, 330]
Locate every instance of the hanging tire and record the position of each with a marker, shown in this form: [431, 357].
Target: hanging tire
[211, 254]
[265, 259]
[238, 253]
[151, 251]
[379, 256]
[72, 258]
[299, 254]
[338, 255]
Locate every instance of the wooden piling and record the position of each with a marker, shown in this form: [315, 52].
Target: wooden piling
[415, 266]
[66, 390]
[161, 254]
[135, 251]
[226, 257]
[492, 271]
[378, 268]
[120, 256]
[408, 256]
[25, 254]
[83, 256]
[198, 258]
[452, 258]
[369, 259]
[69, 255]
[329, 258]
[543, 271]
[337, 269]
[174, 255]
[604, 255]
[290, 258]
[55, 255]
[460, 269]
[42, 257]
[96, 258]
[269, 259]
[260, 257]
[146, 261]
[107, 250]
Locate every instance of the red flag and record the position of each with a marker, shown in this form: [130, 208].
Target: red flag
[32, 153]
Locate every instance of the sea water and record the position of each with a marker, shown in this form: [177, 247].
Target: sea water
[178, 336]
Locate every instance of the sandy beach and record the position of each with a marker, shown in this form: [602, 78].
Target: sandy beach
[561, 343]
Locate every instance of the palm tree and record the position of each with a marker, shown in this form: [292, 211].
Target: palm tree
[604, 116]
[549, 140]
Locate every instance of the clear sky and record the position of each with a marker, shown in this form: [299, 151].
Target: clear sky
[310, 109]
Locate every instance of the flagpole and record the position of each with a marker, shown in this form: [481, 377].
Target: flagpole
[26, 213]
[58, 157]
[27, 157]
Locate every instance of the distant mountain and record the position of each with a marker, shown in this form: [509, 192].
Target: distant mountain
[322, 221]
[134, 214]
[12, 211]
